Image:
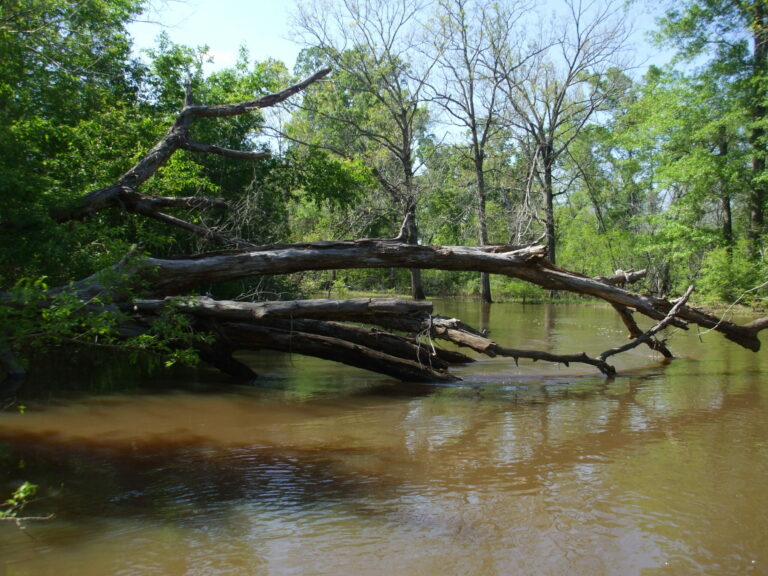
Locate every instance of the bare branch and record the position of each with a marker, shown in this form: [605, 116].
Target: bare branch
[185, 202]
[193, 146]
[227, 110]
[123, 194]
[668, 319]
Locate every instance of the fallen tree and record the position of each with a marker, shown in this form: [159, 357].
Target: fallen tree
[390, 336]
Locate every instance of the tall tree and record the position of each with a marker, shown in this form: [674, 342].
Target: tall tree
[468, 84]
[734, 36]
[371, 45]
[560, 89]
[66, 77]
[688, 133]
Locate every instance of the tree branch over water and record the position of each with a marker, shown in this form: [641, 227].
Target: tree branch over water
[139, 290]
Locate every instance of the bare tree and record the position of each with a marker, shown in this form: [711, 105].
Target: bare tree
[468, 83]
[380, 105]
[563, 86]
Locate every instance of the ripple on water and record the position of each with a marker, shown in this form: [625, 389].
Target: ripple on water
[659, 471]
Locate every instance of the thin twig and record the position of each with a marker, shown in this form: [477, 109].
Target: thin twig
[733, 305]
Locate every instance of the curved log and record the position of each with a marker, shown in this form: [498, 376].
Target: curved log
[392, 344]
[166, 276]
[273, 322]
[279, 319]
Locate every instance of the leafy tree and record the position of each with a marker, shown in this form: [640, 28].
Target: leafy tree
[684, 154]
[468, 86]
[66, 78]
[732, 38]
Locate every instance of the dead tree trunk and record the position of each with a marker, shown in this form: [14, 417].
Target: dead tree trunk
[168, 277]
[281, 326]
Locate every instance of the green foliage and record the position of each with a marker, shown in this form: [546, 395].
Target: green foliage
[77, 111]
[727, 40]
[31, 316]
[67, 84]
[719, 27]
[18, 500]
[516, 290]
[171, 336]
[34, 318]
[727, 274]
[326, 180]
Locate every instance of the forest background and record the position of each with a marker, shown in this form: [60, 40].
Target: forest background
[444, 122]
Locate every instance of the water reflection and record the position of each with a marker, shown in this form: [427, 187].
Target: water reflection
[327, 472]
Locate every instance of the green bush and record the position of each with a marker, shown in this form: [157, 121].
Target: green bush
[727, 274]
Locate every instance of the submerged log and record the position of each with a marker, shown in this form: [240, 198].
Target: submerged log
[281, 326]
[409, 348]
[253, 336]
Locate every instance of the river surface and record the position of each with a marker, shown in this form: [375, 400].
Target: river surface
[326, 470]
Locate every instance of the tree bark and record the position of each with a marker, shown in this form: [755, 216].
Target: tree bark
[412, 235]
[725, 193]
[485, 278]
[277, 326]
[330, 348]
[549, 202]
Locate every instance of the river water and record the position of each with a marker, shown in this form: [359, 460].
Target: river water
[519, 470]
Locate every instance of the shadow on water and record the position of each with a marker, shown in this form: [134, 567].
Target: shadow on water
[185, 481]
[328, 470]
[167, 469]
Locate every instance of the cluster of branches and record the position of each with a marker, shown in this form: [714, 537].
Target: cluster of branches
[475, 66]
[319, 328]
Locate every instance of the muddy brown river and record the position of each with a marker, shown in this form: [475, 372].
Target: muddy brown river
[326, 470]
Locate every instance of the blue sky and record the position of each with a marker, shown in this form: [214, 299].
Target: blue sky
[263, 26]
[223, 25]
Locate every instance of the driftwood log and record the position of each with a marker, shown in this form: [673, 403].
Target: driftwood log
[390, 336]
